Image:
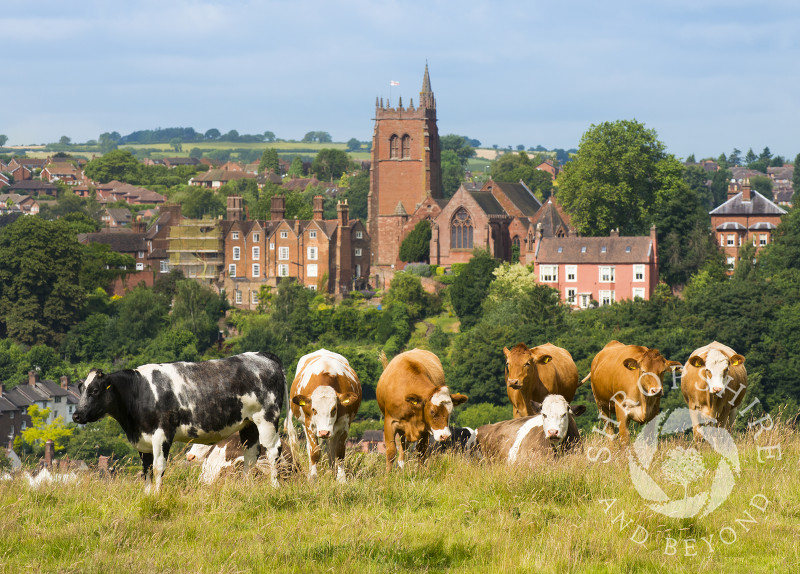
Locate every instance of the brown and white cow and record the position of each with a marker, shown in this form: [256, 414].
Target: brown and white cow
[714, 383]
[325, 396]
[532, 374]
[629, 379]
[415, 402]
[549, 432]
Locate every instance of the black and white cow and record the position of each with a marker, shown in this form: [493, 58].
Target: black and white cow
[191, 402]
[462, 439]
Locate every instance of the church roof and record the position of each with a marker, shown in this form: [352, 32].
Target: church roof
[551, 218]
[519, 194]
[487, 202]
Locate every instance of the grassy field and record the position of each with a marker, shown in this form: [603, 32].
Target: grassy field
[454, 514]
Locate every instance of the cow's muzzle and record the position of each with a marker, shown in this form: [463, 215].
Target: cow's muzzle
[323, 434]
[552, 434]
[514, 384]
[76, 418]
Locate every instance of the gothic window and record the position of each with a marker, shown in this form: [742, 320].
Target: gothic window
[461, 230]
[515, 242]
[394, 147]
[406, 146]
[560, 232]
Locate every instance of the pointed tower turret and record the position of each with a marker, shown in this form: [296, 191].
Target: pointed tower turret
[426, 99]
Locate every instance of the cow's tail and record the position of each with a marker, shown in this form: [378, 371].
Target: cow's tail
[586, 378]
[384, 360]
[288, 427]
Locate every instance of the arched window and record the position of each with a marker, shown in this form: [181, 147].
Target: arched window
[394, 147]
[515, 242]
[560, 232]
[461, 230]
[406, 146]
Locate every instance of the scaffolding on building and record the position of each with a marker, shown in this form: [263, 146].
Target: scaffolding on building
[196, 248]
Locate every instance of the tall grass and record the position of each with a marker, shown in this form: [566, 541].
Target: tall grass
[454, 514]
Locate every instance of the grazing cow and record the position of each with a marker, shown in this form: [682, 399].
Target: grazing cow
[229, 453]
[551, 431]
[713, 384]
[462, 439]
[415, 402]
[191, 402]
[629, 379]
[325, 396]
[532, 374]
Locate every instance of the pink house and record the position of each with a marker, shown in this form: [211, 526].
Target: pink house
[600, 269]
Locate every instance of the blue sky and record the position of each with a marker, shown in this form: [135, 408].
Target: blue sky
[707, 75]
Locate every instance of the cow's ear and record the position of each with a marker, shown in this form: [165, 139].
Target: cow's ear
[458, 399]
[347, 398]
[414, 400]
[672, 365]
[544, 359]
[506, 352]
[737, 359]
[631, 364]
[578, 410]
[697, 361]
[301, 400]
[535, 406]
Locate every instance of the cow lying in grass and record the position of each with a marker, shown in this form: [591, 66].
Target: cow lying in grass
[229, 454]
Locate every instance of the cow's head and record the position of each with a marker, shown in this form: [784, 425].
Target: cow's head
[649, 369]
[555, 412]
[521, 364]
[714, 368]
[322, 408]
[96, 398]
[435, 410]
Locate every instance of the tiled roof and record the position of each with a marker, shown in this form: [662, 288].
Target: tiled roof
[32, 185]
[487, 202]
[594, 249]
[6, 405]
[731, 226]
[522, 197]
[223, 175]
[551, 216]
[758, 205]
[119, 241]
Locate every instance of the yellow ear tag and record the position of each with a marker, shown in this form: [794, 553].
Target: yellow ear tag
[108, 387]
[546, 360]
[302, 403]
[736, 362]
[632, 367]
[346, 402]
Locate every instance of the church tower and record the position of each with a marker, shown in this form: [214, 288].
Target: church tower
[405, 169]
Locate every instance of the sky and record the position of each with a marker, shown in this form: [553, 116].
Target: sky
[706, 75]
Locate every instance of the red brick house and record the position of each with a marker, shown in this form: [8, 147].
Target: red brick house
[550, 167]
[15, 202]
[215, 178]
[130, 242]
[598, 269]
[745, 216]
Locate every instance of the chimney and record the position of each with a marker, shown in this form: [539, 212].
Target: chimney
[138, 227]
[235, 211]
[2, 389]
[64, 381]
[538, 232]
[733, 188]
[344, 213]
[318, 203]
[614, 232]
[746, 190]
[33, 378]
[102, 463]
[49, 453]
[278, 208]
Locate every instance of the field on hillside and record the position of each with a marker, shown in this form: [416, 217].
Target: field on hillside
[454, 514]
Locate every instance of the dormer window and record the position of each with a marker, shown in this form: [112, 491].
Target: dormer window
[235, 235]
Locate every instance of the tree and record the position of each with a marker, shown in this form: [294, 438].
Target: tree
[690, 158]
[269, 136]
[196, 153]
[101, 266]
[471, 286]
[620, 171]
[141, 315]
[765, 155]
[117, 164]
[719, 186]
[3, 139]
[197, 309]
[269, 160]
[212, 134]
[40, 296]
[108, 142]
[353, 144]
[763, 185]
[296, 169]
[459, 145]
[231, 136]
[202, 202]
[176, 144]
[417, 244]
[102, 438]
[64, 140]
[452, 173]
[750, 157]
[514, 167]
[796, 173]
[406, 288]
[357, 195]
[330, 164]
[735, 158]
[40, 431]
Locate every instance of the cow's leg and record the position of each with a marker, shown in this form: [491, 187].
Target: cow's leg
[731, 418]
[147, 469]
[161, 445]
[697, 432]
[388, 440]
[269, 439]
[337, 445]
[249, 438]
[401, 448]
[622, 419]
[422, 447]
[314, 453]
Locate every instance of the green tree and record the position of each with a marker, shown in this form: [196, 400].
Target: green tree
[417, 244]
[176, 144]
[64, 140]
[357, 193]
[203, 202]
[514, 167]
[476, 415]
[620, 171]
[269, 160]
[108, 143]
[353, 144]
[196, 153]
[690, 158]
[763, 185]
[101, 266]
[87, 342]
[796, 173]
[141, 315]
[40, 298]
[102, 438]
[197, 309]
[471, 286]
[330, 164]
[452, 173]
[118, 164]
[296, 169]
[40, 431]
[750, 157]
[719, 186]
[269, 136]
[406, 288]
[458, 145]
[212, 134]
[3, 139]
[735, 158]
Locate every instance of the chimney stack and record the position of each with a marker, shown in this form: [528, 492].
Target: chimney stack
[33, 378]
[344, 213]
[278, 208]
[614, 232]
[746, 196]
[733, 188]
[49, 453]
[538, 232]
[318, 209]
[235, 211]
[65, 382]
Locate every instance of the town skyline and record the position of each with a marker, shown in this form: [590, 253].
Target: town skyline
[707, 76]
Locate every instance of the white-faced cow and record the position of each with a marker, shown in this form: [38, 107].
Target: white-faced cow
[714, 383]
[191, 402]
[462, 440]
[551, 431]
[532, 374]
[325, 396]
[629, 380]
[415, 402]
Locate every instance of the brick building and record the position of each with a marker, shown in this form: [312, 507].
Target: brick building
[405, 170]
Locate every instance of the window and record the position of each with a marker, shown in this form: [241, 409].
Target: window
[606, 297]
[11, 415]
[163, 266]
[237, 295]
[237, 251]
[583, 249]
[312, 234]
[638, 272]
[461, 230]
[312, 287]
[358, 270]
[57, 399]
[232, 270]
[722, 240]
[256, 270]
[548, 273]
[516, 242]
[731, 262]
[311, 253]
[71, 409]
[572, 272]
[283, 253]
[283, 270]
[235, 235]
[627, 249]
[560, 249]
[256, 252]
[585, 299]
[272, 247]
[638, 292]
[603, 249]
[406, 147]
[140, 254]
[731, 240]
[394, 147]
[284, 234]
[762, 239]
[254, 297]
[140, 266]
[570, 295]
[358, 252]
[311, 270]
[606, 274]
[256, 237]
[359, 234]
